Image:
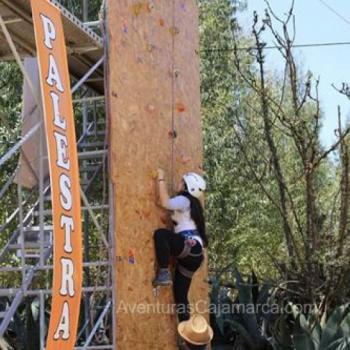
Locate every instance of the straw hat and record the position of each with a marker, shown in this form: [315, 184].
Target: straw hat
[196, 330]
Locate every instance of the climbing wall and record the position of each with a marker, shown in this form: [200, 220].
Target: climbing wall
[154, 111]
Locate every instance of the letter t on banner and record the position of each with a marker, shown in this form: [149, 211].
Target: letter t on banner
[64, 175]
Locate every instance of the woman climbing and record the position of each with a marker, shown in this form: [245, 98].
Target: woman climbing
[186, 242]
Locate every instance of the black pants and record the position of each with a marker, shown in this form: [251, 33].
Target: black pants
[168, 243]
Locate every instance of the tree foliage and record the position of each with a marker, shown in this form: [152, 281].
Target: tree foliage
[276, 202]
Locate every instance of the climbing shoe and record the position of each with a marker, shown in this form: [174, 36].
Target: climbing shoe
[163, 278]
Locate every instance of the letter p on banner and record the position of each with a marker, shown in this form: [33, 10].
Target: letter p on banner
[64, 175]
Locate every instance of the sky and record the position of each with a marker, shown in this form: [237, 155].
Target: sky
[315, 23]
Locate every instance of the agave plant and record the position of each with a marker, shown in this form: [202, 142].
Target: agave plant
[242, 326]
[23, 332]
[308, 333]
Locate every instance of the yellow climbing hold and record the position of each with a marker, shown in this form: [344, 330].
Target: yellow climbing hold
[140, 7]
[154, 174]
[137, 9]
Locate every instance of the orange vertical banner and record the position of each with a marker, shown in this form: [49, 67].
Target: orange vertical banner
[64, 175]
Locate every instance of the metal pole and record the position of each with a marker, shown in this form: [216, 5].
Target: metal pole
[42, 320]
[97, 324]
[85, 10]
[87, 273]
[86, 230]
[41, 197]
[94, 218]
[36, 292]
[21, 233]
[87, 75]
[19, 295]
[7, 184]
[19, 144]
[19, 61]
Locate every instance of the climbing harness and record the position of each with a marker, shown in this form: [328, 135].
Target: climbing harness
[188, 235]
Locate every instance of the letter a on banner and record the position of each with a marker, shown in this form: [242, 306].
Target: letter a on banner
[64, 175]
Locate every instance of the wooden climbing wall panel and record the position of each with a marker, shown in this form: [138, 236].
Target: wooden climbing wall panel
[154, 112]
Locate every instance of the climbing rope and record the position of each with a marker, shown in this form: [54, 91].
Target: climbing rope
[172, 168]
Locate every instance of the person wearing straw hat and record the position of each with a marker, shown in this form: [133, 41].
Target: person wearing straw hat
[195, 334]
[186, 242]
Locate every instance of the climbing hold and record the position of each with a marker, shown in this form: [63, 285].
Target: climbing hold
[180, 107]
[183, 6]
[150, 47]
[150, 6]
[150, 108]
[172, 133]
[147, 213]
[114, 94]
[161, 22]
[131, 256]
[174, 73]
[142, 7]
[139, 60]
[153, 174]
[185, 159]
[125, 28]
[174, 30]
[137, 8]
[164, 220]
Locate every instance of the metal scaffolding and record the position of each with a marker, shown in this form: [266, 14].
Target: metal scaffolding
[26, 251]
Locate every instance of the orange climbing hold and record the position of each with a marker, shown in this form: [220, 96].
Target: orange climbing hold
[162, 22]
[180, 107]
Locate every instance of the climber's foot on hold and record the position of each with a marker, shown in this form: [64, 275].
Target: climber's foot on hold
[163, 278]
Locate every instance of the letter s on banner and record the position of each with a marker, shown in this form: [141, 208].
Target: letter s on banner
[64, 175]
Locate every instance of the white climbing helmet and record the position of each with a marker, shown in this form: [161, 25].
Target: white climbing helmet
[195, 184]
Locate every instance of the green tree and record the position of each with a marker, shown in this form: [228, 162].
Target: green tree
[242, 224]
